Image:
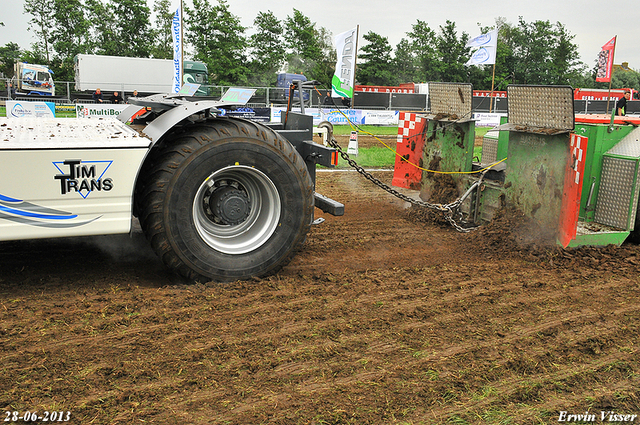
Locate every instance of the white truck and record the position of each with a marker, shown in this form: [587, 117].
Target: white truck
[32, 79]
[126, 74]
[219, 198]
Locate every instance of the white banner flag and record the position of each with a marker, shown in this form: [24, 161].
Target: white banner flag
[176, 30]
[342, 83]
[485, 48]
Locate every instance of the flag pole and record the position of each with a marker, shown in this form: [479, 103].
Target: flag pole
[493, 78]
[355, 66]
[493, 74]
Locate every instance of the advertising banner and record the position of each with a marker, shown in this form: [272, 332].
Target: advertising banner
[20, 109]
[253, 114]
[99, 110]
[381, 117]
[342, 83]
[487, 120]
[334, 116]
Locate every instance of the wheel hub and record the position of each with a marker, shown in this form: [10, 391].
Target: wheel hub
[229, 205]
[236, 209]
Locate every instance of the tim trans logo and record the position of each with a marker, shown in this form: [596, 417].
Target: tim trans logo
[83, 177]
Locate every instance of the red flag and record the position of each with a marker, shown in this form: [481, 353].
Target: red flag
[605, 61]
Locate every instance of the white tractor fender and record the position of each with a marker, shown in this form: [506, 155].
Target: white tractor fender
[158, 127]
[165, 122]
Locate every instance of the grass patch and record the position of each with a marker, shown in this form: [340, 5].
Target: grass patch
[378, 130]
[481, 131]
[373, 157]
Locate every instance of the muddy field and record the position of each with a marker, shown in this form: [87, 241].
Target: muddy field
[386, 316]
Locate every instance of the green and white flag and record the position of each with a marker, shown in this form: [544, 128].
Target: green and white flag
[344, 77]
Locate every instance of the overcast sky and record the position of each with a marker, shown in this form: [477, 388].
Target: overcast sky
[592, 22]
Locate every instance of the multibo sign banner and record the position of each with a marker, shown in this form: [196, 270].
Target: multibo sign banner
[90, 110]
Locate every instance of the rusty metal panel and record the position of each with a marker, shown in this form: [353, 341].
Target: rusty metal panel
[539, 108]
[451, 99]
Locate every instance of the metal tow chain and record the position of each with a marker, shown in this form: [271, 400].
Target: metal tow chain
[449, 210]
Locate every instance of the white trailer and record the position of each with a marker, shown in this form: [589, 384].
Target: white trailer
[126, 74]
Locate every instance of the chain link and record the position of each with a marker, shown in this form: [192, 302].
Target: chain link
[448, 210]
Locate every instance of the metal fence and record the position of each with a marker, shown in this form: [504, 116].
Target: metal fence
[317, 98]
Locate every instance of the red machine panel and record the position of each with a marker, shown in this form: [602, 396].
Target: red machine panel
[572, 190]
[411, 131]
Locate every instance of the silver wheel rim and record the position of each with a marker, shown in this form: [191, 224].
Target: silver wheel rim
[260, 221]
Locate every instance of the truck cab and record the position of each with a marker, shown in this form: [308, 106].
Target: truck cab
[284, 81]
[31, 79]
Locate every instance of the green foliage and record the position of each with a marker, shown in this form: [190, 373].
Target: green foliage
[162, 47]
[309, 49]
[9, 54]
[39, 23]
[540, 53]
[219, 41]
[267, 48]
[301, 38]
[625, 79]
[378, 66]
[405, 62]
[452, 54]
[424, 51]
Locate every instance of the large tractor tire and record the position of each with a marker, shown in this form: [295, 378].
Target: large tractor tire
[225, 200]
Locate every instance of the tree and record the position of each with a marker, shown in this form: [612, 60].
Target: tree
[40, 11]
[309, 49]
[378, 67]
[70, 35]
[566, 65]
[302, 42]
[133, 29]
[627, 79]
[103, 28]
[422, 43]
[162, 47]
[121, 27]
[405, 63]
[452, 54]
[218, 40]
[9, 54]
[324, 68]
[267, 48]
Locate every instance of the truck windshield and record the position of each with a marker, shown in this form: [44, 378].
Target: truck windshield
[201, 77]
